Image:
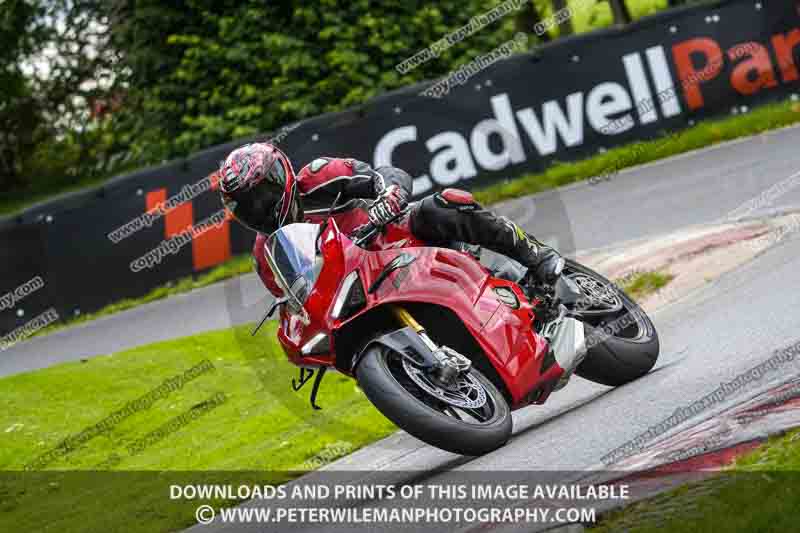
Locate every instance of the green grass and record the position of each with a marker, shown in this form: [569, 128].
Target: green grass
[760, 492]
[588, 15]
[234, 267]
[704, 134]
[264, 431]
[643, 284]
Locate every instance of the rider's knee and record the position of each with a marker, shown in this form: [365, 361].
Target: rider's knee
[446, 215]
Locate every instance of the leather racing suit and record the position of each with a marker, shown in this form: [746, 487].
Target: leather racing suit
[440, 218]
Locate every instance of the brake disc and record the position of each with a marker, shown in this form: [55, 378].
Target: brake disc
[470, 394]
[601, 296]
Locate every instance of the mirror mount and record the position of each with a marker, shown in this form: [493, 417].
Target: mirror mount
[275, 304]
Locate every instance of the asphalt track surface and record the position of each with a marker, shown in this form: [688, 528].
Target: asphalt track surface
[708, 338]
[695, 188]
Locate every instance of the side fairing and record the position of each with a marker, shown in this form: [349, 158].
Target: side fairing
[454, 280]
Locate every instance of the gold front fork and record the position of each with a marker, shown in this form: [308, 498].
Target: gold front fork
[405, 318]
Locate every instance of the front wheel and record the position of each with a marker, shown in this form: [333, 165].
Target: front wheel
[470, 418]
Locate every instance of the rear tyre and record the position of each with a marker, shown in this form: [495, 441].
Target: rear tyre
[624, 346]
[385, 380]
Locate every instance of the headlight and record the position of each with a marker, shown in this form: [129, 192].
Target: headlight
[350, 297]
[318, 344]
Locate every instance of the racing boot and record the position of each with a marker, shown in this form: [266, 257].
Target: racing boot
[548, 267]
[543, 263]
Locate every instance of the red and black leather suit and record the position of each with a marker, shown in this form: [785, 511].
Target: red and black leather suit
[441, 218]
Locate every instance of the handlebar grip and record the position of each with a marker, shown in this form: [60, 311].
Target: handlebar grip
[373, 230]
[368, 235]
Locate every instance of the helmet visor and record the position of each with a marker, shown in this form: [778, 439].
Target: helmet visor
[257, 208]
[276, 173]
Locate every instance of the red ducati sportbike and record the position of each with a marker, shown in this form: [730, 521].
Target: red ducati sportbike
[442, 345]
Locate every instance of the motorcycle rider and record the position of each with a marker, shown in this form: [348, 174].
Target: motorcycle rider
[259, 187]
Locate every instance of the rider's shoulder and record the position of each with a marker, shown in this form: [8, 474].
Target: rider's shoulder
[339, 166]
[322, 170]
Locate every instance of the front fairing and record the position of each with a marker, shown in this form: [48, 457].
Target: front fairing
[341, 257]
[438, 276]
[295, 333]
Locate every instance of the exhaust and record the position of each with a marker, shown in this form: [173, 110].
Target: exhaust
[567, 338]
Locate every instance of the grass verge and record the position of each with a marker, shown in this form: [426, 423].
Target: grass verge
[642, 284]
[262, 432]
[704, 134]
[760, 492]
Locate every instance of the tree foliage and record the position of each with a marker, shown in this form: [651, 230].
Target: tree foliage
[20, 115]
[59, 67]
[238, 68]
[99, 86]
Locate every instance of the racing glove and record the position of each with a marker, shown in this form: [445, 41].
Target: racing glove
[389, 205]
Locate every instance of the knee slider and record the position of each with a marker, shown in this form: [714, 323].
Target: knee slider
[457, 199]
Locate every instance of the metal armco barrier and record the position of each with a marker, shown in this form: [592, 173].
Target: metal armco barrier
[566, 101]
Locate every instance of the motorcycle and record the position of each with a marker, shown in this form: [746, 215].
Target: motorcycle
[443, 345]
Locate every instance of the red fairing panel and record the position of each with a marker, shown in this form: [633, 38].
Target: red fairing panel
[292, 333]
[341, 257]
[518, 352]
[435, 277]
[454, 280]
[262, 267]
[438, 276]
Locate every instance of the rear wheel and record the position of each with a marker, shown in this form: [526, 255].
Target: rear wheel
[469, 418]
[623, 343]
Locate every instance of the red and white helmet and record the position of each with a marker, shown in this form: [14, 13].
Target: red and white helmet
[259, 188]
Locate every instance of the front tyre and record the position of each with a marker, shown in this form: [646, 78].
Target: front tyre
[459, 422]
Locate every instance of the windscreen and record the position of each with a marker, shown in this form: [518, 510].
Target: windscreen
[292, 256]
